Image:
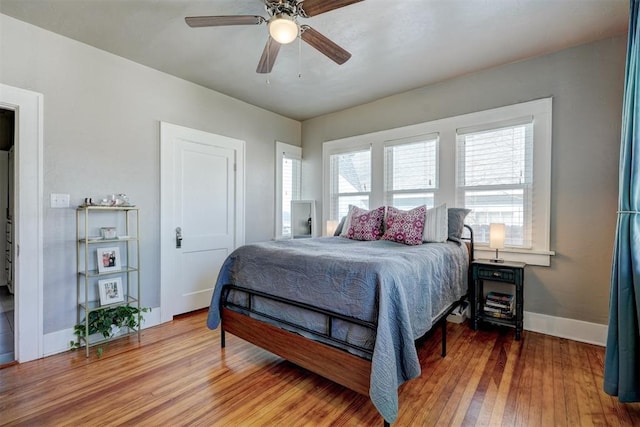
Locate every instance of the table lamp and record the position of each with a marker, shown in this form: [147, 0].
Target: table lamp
[496, 239]
[331, 227]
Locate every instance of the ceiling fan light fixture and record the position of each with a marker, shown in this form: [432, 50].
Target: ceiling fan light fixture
[283, 29]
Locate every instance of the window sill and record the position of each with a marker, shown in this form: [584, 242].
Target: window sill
[531, 257]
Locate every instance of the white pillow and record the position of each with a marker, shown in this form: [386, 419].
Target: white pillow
[436, 224]
[347, 222]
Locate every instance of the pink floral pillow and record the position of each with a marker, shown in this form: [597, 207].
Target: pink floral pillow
[365, 225]
[405, 226]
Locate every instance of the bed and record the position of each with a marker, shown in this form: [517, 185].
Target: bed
[347, 310]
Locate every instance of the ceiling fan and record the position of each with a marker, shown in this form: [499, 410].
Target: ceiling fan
[284, 28]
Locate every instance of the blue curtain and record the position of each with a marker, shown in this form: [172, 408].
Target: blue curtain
[622, 358]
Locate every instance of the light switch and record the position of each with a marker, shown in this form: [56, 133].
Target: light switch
[59, 200]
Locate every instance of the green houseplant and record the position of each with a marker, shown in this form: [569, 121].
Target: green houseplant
[107, 322]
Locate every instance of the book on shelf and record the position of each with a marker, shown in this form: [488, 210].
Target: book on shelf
[497, 310]
[499, 315]
[500, 297]
[499, 305]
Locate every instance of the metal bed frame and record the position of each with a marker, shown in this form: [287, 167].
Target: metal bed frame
[255, 331]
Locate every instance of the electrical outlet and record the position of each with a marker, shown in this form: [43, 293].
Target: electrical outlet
[59, 200]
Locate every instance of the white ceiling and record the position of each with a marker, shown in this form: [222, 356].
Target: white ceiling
[396, 45]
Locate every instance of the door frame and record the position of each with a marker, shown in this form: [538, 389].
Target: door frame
[169, 133]
[28, 217]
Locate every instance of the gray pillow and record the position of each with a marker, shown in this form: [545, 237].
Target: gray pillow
[456, 218]
[339, 227]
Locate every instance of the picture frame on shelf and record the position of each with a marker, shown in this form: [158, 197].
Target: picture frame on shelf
[111, 291]
[108, 259]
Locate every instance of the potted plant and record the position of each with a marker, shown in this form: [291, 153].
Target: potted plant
[107, 322]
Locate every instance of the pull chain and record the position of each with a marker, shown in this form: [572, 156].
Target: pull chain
[299, 54]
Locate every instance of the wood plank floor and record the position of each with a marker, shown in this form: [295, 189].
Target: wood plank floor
[178, 375]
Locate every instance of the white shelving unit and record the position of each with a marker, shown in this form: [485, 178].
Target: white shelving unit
[89, 221]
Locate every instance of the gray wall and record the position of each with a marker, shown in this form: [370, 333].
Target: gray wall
[101, 136]
[586, 83]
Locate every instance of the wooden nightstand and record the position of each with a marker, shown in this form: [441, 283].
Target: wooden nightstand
[504, 272]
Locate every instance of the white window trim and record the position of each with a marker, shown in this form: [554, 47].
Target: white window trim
[447, 128]
[291, 152]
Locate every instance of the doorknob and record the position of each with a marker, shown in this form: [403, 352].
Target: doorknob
[178, 237]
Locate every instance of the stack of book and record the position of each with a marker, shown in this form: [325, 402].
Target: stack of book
[499, 305]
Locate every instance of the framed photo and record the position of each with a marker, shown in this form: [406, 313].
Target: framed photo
[108, 260]
[111, 291]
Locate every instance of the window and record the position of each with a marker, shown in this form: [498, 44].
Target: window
[290, 190]
[288, 178]
[495, 178]
[411, 173]
[350, 181]
[495, 162]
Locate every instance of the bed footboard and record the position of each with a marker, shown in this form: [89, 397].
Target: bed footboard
[330, 316]
[334, 363]
[337, 365]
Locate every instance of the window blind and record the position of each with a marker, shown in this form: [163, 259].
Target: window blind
[350, 181]
[291, 178]
[411, 173]
[495, 176]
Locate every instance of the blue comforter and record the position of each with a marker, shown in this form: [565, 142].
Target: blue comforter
[402, 288]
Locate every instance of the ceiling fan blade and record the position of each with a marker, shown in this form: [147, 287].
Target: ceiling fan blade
[217, 21]
[316, 7]
[269, 55]
[324, 45]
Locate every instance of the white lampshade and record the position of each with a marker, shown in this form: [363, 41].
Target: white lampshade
[496, 236]
[331, 227]
[283, 29]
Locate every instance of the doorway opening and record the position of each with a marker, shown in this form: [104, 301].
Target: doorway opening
[7, 232]
[28, 220]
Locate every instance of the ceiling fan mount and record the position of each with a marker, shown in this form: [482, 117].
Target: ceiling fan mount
[284, 7]
[284, 27]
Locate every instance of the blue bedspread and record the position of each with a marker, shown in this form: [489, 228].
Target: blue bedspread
[402, 288]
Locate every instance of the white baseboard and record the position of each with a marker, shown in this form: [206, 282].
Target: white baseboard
[577, 330]
[59, 341]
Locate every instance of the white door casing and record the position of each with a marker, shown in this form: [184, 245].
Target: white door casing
[28, 220]
[202, 192]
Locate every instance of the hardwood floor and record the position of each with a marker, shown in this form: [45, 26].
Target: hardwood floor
[178, 375]
[6, 326]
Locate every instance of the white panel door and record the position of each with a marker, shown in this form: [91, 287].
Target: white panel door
[200, 215]
[28, 213]
[205, 187]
